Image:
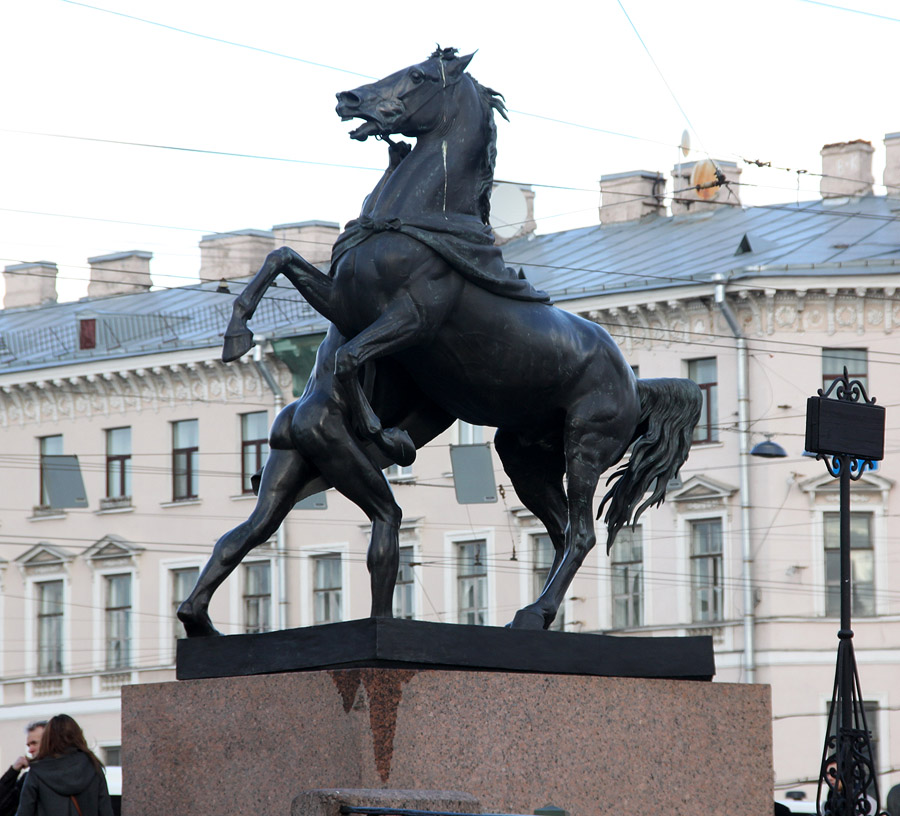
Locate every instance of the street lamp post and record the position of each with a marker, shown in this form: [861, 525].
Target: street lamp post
[847, 432]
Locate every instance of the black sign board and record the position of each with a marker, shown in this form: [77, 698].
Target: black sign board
[837, 427]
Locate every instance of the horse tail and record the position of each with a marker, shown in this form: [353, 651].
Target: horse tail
[670, 408]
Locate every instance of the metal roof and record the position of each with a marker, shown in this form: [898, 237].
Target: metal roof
[820, 237]
[815, 239]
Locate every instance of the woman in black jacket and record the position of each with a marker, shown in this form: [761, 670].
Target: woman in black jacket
[65, 779]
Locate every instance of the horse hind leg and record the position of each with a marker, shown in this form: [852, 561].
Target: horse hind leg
[536, 472]
[285, 473]
[591, 447]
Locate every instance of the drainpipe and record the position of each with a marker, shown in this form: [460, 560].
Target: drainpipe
[743, 400]
[281, 534]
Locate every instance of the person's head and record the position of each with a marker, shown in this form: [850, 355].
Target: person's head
[33, 733]
[62, 735]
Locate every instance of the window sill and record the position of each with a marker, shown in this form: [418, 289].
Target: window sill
[180, 503]
[119, 504]
[43, 513]
[243, 497]
[717, 443]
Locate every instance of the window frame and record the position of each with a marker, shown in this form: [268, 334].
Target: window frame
[633, 619]
[332, 595]
[718, 571]
[706, 430]
[43, 445]
[833, 553]
[263, 601]
[480, 587]
[404, 601]
[257, 448]
[861, 374]
[124, 466]
[189, 470]
[128, 609]
[42, 669]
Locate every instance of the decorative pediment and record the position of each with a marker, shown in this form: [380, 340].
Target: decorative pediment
[44, 557]
[702, 487]
[110, 549]
[825, 488]
[701, 492]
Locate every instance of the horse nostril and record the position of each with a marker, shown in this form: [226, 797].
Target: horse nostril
[348, 98]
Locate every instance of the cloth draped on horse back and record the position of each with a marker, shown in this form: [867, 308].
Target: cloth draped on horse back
[461, 240]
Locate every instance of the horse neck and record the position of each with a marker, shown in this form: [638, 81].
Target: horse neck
[444, 170]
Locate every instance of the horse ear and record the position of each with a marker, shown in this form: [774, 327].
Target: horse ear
[461, 63]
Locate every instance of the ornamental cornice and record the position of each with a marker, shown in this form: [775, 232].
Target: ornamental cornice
[136, 389]
[761, 313]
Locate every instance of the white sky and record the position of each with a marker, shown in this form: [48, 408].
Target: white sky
[767, 79]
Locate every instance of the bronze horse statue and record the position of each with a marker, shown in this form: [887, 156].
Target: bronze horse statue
[429, 325]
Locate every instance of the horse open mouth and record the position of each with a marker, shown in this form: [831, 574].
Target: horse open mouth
[370, 127]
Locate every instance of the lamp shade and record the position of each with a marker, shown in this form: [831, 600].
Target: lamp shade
[768, 450]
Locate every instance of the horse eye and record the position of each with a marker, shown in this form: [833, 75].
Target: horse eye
[416, 76]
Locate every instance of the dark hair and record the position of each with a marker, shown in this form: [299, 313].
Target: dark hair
[60, 736]
[36, 724]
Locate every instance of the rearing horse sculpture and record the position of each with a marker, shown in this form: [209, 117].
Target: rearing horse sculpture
[429, 325]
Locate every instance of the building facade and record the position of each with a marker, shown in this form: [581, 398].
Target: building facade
[760, 306]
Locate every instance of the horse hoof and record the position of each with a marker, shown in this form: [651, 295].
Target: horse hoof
[196, 624]
[399, 446]
[236, 344]
[527, 619]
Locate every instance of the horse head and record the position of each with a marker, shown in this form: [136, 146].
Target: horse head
[408, 102]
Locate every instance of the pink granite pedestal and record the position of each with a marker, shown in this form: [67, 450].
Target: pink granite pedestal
[590, 745]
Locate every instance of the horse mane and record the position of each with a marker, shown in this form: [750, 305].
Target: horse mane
[491, 101]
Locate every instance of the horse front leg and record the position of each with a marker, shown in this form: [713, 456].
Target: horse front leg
[398, 328]
[314, 285]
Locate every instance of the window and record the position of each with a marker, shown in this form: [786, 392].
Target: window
[112, 755]
[834, 360]
[628, 578]
[118, 621]
[404, 599]
[87, 333]
[50, 446]
[542, 553]
[703, 372]
[118, 463]
[254, 446]
[870, 711]
[50, 626]
[185, 441]
[862, 564]
[706, 570]
[471, 582]
[182, 582]
[257, 597]
[327, 588]
[470, 434]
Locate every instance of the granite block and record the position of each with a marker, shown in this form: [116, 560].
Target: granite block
[515, 741]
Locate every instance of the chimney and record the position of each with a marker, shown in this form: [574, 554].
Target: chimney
[311, 239]
[632, 195]
[234, 254]
[122, 273]
[512, 211]
[686, 176]
[29, 284]
[846, 169]
[892, 164]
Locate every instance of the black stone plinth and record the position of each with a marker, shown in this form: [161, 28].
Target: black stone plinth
[389, 643]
